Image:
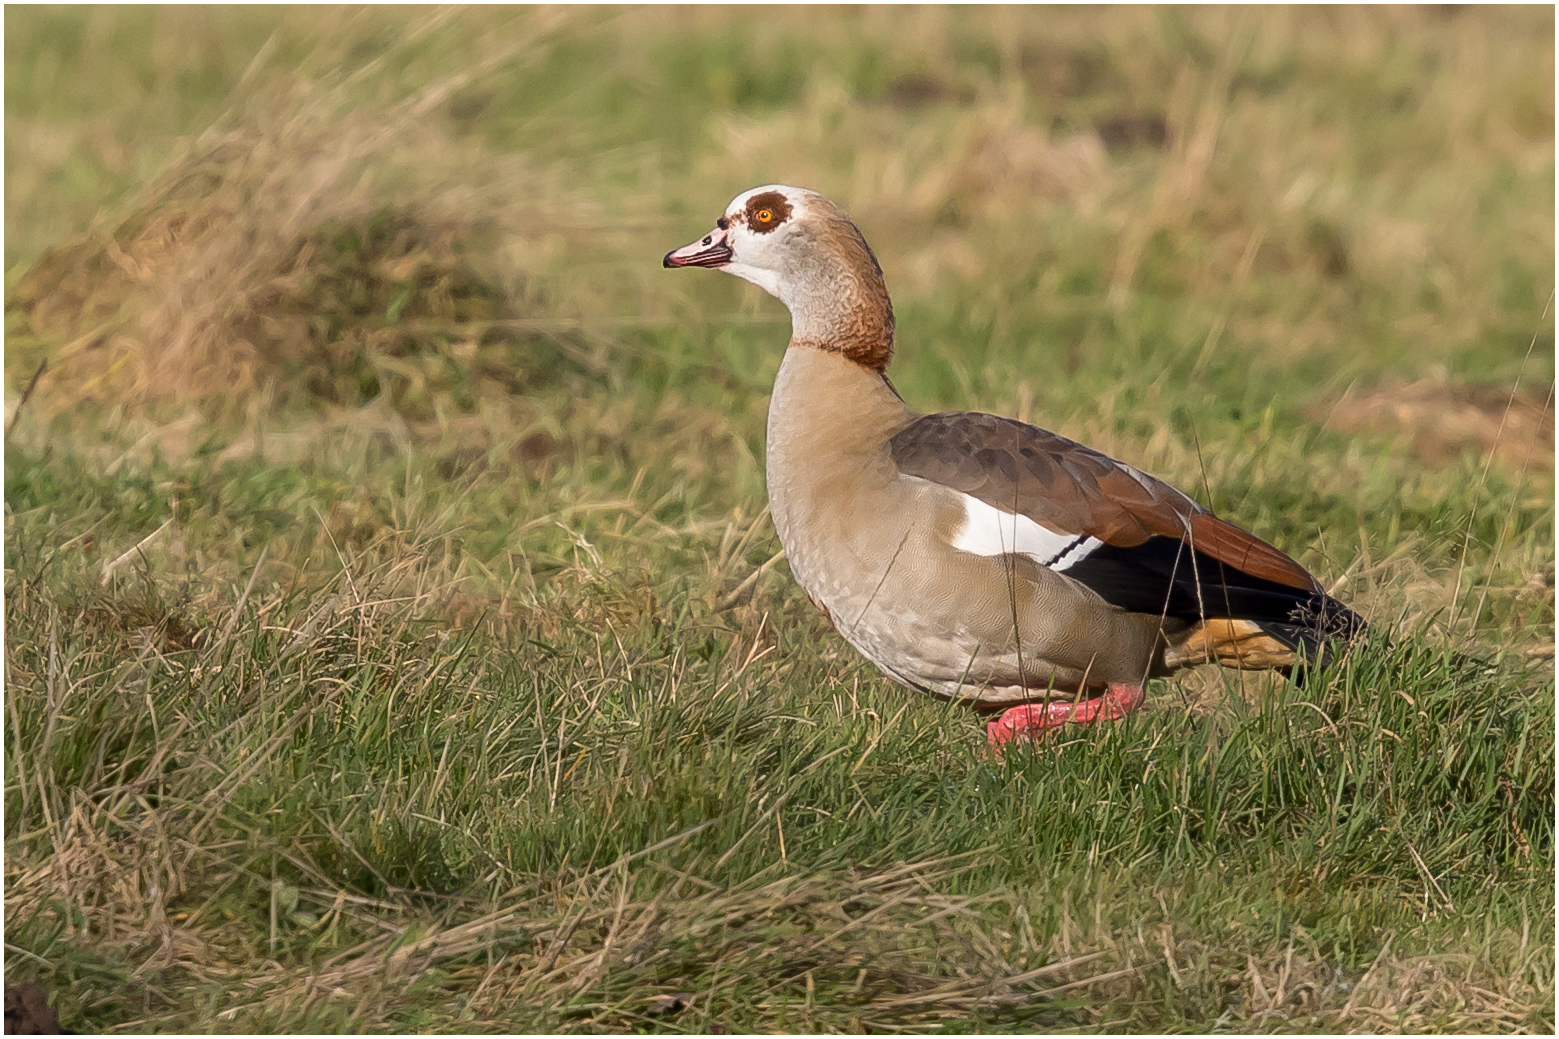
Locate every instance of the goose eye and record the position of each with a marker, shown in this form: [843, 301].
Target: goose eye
[766, 212]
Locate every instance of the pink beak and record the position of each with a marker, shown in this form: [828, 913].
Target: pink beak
[712, 250]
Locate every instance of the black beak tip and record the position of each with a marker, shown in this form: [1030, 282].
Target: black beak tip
[666, 260]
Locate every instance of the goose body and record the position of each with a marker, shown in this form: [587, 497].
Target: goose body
[976, 557]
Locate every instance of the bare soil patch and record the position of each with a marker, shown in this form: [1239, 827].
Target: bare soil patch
[1442, 421]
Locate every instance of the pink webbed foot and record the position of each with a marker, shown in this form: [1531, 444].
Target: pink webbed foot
[1031, 721]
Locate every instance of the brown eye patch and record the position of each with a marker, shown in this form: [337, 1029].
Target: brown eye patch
[767, 211]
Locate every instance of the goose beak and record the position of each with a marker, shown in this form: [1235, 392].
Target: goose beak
[712, 250]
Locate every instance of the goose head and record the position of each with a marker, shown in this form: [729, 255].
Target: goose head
[800, 247]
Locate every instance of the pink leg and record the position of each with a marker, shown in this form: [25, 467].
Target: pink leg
[1030, 721]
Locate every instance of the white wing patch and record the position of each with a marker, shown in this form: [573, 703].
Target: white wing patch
[988, 531]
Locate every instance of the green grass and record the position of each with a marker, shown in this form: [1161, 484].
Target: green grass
[395, 639]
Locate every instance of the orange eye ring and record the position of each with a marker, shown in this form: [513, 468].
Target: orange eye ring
[765, 215]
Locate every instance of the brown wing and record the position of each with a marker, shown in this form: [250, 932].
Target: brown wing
[1056, 482]
[1158, 551]
[1075, 490]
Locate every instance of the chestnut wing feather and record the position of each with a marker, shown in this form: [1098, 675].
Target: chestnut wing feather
[1160, 551]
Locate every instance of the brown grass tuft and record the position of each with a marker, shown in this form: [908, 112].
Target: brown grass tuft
[317, 245]
[258, 254]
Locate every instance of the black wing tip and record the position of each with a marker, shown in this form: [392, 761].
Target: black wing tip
[1160, 576]
[1325, 618]
[1316, 629]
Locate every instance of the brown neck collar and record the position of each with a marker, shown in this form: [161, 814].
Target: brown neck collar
[869, 345]
[858, 323]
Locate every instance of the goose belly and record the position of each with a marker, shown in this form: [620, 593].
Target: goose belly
[963, 626]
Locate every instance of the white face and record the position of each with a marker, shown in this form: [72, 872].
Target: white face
[748, 241]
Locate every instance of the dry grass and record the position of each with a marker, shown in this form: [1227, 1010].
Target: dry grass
[147, 866]
[571, 952]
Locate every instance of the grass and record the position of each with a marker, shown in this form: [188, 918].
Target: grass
[395, 634]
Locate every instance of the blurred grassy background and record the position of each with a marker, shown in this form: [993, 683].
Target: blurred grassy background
[333, 300]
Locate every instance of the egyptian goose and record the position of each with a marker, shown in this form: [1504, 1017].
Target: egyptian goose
[975, 557]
